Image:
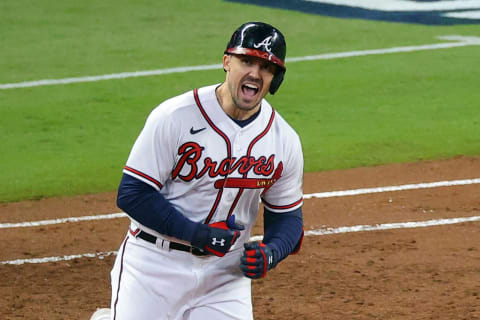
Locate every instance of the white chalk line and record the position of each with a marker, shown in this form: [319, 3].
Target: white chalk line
[99, 255]
[405, 5]
[458, 41]
[329, 194]
[62, 220]
[355, 192]
[318, 232]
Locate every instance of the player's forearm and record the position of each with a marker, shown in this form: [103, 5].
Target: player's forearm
[283, 231]
[147, 206]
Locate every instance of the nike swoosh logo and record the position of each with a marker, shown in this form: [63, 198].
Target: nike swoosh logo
[193, 131]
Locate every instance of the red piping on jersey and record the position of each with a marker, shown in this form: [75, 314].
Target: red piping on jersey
[289, 206]
[214, 127]
[119, 278]
[242, 183]
[215, 205]
[261, 135]
[229, 149]
[234, 204]
[143, 175]
[252, 182]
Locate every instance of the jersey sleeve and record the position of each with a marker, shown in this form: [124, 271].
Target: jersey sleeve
[286, 194]
[152, 156]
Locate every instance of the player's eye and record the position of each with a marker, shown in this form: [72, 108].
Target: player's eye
[270, 67]
[246, 61]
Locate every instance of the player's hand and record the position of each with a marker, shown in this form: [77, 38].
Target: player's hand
[217, 238]
[257, 259]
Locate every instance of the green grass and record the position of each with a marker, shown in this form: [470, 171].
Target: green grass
[74, 139]
[382, 109]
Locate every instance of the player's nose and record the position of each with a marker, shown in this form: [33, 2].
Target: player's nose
[255, 70]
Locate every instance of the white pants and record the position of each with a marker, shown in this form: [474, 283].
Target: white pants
[154, 283]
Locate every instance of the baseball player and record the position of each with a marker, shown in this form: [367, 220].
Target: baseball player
[192, 186]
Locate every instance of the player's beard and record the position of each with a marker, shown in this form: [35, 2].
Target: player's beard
[243, 106]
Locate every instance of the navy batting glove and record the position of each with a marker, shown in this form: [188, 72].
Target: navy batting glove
[257, 259]
[217, 238]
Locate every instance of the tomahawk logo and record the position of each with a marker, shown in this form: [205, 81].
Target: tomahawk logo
[267, 42]
[221, 242]
[440, 12]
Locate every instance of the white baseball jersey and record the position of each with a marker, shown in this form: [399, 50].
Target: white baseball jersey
[208, 167]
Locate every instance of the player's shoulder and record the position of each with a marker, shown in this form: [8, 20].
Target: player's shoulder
[185, 102]
[175, 104]
[282, 126]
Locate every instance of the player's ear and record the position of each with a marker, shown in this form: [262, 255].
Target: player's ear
[226, 62]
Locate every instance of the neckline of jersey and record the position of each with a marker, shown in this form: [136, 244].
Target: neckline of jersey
[244, 123]
[240, 123]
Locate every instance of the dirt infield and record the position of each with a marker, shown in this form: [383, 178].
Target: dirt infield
[407, 273]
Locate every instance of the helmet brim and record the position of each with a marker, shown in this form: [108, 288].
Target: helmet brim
[257, 53]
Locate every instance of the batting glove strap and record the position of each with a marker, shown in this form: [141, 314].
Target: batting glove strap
[257, 259]
[216, 238]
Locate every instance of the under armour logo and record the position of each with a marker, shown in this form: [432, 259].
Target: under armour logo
[267, 42]
[215, 242]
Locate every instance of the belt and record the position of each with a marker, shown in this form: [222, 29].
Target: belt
[173, 245]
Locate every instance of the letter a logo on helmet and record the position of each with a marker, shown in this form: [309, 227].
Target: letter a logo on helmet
[267, 42]
[264, 41]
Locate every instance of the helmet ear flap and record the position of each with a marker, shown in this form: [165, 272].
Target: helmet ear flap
[277, 80]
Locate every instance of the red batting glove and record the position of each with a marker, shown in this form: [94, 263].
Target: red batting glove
[257, 259]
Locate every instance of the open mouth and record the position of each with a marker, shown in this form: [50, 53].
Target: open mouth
[249, 89]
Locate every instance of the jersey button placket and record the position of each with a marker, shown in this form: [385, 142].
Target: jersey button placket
[230, 196]
[238, 145]
[237, 150]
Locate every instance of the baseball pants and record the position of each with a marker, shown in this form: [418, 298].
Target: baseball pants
[150, 282]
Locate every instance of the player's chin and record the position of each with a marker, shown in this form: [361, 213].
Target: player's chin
[248, 105]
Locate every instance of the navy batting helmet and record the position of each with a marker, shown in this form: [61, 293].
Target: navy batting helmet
[264, 41]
